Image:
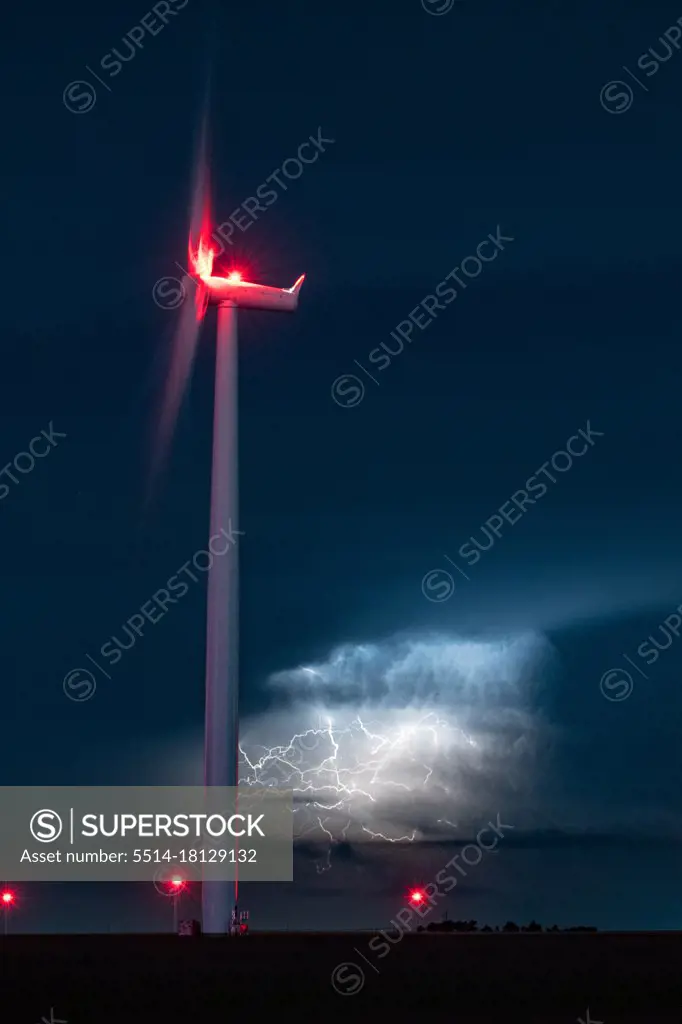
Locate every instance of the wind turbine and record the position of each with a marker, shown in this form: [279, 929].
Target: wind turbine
[229, 293]
[221, 729]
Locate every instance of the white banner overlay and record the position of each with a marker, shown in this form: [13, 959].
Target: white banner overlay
[134, 833]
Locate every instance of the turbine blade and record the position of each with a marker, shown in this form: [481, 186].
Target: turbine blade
[200, 217]
[180, 365]
[191, 313]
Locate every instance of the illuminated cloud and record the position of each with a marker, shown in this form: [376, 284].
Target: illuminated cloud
[405, 740]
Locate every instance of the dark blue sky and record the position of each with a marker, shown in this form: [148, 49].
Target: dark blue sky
[444, 127]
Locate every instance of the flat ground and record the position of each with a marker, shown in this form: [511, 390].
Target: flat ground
[622, 978]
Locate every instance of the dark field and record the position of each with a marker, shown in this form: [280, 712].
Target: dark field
[524, 978]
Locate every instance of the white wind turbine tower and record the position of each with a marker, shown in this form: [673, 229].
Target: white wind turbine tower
[229, 293]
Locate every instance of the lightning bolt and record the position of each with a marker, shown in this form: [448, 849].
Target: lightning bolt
[338, 775]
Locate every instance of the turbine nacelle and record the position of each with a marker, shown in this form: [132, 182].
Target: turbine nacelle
[232, 290]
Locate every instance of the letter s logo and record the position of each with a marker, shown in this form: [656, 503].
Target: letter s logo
[46, 826]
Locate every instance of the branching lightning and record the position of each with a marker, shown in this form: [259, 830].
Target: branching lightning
[402, 741]
[337, 773]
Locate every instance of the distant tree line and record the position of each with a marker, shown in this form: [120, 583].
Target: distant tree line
[511, 926]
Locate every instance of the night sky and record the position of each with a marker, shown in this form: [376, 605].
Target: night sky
[448, 128]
